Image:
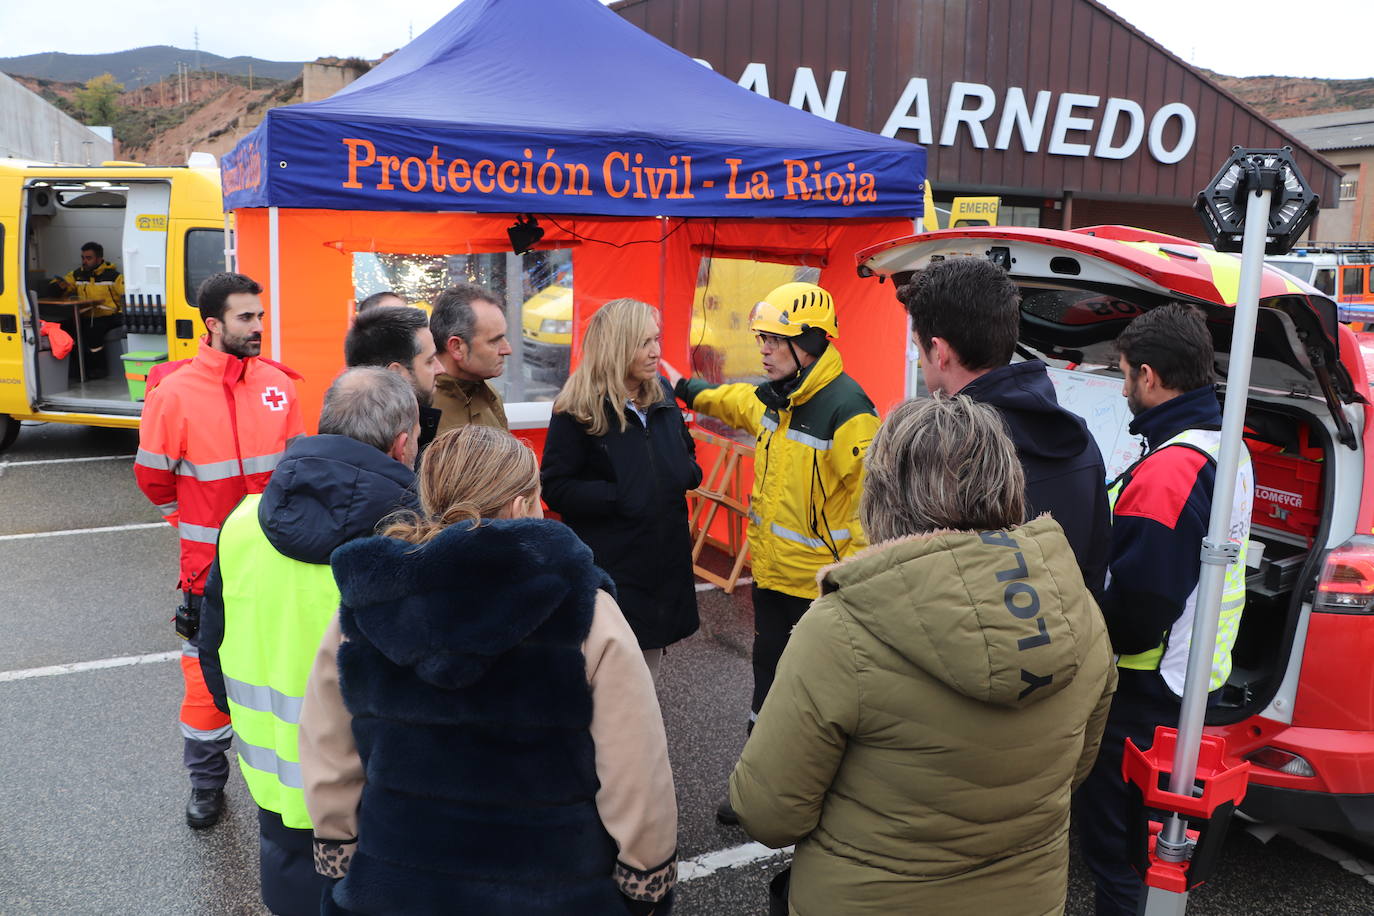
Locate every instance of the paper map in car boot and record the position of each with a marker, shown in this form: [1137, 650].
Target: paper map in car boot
[1097, 399]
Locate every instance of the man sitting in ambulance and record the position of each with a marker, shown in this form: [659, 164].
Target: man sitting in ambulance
[101, 282]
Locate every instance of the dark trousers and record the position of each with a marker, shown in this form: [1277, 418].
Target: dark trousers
[1103, 804]
[206, 733]
[775, 614]
[93, 331]
[207, 761]
[286, 863]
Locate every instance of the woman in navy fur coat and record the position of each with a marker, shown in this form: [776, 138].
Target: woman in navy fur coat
[618, 463]
[480, 733]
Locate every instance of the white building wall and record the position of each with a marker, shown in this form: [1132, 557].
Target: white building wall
[30, 128]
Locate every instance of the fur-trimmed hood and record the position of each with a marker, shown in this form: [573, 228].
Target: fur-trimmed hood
[450, 608]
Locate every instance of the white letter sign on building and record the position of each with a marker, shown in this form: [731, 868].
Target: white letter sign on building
[1074, 131]
[956, 114]
[1110, 116]
[1065, 120]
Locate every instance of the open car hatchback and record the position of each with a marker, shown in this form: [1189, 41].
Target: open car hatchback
[1300, 700]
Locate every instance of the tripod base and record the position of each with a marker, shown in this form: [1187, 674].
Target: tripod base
[1157, 902]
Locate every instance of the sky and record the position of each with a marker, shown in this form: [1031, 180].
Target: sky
[1323, 38]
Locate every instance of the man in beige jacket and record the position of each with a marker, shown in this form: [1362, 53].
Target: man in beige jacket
[469, 329]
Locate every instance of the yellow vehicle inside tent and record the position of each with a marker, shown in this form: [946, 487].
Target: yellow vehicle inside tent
[723, 347]
[77, 347]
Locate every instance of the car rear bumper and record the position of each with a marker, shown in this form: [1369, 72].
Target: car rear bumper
[1350, 815]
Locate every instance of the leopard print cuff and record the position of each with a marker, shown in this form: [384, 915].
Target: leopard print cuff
[652, 884]
[332, 857]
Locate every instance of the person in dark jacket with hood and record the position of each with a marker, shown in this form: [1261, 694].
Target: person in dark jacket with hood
[397, 338]
[270, 595]
[618, 463]
[965, 315]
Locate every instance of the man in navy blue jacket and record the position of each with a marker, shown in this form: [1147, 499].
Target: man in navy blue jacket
[1161, 507]
[270, 584]
[965, 314]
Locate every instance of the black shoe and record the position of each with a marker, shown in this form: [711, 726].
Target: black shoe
[204, 807]
[725, 813]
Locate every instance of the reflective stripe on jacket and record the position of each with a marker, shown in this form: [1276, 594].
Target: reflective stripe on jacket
[1170, 657]
[808, 467]
[267, 654]
[104, 284]
[211, 433]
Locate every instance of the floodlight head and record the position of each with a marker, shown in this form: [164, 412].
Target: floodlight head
[525, 233]
[1291, 209]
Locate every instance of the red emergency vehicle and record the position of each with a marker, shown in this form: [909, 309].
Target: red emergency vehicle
[1300, 701]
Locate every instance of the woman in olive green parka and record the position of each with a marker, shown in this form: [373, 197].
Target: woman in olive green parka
[938, 704]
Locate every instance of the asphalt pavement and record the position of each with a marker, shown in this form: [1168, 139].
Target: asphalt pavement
[91, 783]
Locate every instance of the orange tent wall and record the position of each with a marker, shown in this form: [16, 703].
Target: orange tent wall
[651, 259]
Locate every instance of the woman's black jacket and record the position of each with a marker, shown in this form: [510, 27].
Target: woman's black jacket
[624, 494]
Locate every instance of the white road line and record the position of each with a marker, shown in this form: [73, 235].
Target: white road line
[711, 862]
[702, 866]
[141, 526]
[708, 586]
[24, 674]
[21, 464]
[1347, 860]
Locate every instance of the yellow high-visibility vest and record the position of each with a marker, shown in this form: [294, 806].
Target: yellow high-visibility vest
[276, 610]
[1170, 657]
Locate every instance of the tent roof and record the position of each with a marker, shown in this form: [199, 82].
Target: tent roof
[494, 78]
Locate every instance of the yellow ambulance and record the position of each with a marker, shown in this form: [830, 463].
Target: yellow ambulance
[163, 229]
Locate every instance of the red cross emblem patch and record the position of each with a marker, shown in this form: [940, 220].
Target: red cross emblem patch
[274, 398]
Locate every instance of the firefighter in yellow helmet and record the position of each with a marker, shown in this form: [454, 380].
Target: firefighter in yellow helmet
[813, 424]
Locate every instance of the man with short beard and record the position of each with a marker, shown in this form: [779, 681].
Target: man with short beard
[213, 429]
[1161, 510]
[397, 338]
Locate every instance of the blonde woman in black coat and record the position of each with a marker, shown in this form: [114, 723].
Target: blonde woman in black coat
[618, 463]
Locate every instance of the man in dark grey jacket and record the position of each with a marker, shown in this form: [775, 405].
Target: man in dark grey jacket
[965, 314]
[270, 594]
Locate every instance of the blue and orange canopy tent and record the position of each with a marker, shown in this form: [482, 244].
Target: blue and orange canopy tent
[639, 158]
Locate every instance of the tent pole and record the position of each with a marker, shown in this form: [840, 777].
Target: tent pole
[230, 261]
[274, 281]
[663, 234]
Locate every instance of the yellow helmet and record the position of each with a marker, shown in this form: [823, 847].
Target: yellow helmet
[792, 309]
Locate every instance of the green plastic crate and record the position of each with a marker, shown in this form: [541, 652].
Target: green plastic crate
[137, 365]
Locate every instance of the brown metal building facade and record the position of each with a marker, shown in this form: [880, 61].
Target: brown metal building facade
[1058, 105]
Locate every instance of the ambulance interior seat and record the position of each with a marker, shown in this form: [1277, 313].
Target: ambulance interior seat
[116, 345]
[52, 372]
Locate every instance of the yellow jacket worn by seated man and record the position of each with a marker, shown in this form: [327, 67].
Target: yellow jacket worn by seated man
[100, 281]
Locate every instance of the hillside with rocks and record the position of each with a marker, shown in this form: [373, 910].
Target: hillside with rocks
[138, 66]
[162, 123]
[1292, 97]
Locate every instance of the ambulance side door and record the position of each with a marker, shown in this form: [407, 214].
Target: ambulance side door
[196, 251]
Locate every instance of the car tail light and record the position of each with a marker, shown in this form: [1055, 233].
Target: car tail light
[1273, 758]
[1346, 585]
